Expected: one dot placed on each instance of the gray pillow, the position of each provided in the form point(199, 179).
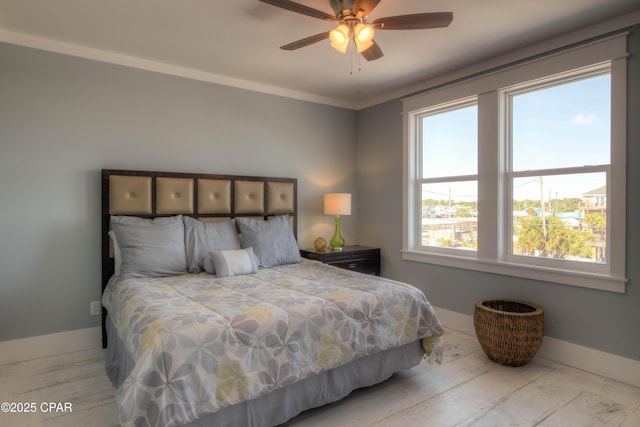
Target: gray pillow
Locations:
point(150, 247)
point(272, 241)
point(234, 262)
point(201, 238)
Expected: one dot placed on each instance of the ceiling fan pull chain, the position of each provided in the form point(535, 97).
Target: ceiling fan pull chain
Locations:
point(351, 60)
point(352, 53)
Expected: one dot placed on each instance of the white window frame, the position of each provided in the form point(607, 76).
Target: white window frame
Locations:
point(452, 106)
point(494, 207)
point(505, 94)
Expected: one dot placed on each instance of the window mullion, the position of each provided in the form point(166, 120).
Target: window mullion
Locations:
point(489, 194)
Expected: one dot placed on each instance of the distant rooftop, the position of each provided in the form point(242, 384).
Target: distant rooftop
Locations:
point(600, 191)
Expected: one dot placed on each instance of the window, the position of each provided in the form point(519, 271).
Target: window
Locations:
point(559, 142)
point(449, 176)
point(514, 172)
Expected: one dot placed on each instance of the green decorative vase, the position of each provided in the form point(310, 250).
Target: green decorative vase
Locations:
point(337, 241)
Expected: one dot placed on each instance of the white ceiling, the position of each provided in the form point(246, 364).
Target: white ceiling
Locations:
point(236, 42)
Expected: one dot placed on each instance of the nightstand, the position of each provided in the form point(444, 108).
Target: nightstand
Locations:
point(355, 258)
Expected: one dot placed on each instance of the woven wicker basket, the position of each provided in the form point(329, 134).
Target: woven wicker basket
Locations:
point(509, 331)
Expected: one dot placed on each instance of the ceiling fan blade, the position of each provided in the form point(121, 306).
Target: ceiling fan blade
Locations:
point(300, 8)
point(418, 21)
point(364, 7)
point(373, 53)
point(306, 41)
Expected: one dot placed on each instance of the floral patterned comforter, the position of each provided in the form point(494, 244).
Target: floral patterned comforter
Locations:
point(203, 343)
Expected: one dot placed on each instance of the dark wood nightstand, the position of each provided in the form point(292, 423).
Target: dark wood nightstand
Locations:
point(356, 258)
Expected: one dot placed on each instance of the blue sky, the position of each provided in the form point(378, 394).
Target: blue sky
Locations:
point(562, 126)
point(566, 125)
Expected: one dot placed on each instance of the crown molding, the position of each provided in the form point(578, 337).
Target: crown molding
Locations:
point(79, 51)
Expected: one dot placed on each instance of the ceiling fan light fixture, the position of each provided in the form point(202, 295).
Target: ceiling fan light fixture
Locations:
point(363, 36)
point(352, 17)
point(339, 38)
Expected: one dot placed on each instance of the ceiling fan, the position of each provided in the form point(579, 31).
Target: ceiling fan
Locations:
point(352, 17)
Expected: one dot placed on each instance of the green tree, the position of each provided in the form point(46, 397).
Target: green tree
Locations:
point(529, 236)
point(520, 205)
point(595, 220)
point(596, 223)
point(446, 242)
point(462, 212)
point(554, 239)
point(567, 205)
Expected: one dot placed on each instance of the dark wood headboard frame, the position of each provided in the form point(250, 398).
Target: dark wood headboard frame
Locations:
point(107, 260)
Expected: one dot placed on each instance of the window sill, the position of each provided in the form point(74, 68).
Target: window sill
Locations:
point(565, 277)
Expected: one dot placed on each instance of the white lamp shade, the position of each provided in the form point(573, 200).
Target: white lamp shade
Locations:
point(337, 204)
point(363, 37)
point(339, 38)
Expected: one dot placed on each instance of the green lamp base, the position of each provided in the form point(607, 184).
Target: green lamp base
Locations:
point(337, 241)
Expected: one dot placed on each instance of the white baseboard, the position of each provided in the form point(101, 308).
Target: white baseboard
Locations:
point(587, 359)
point(49, 345)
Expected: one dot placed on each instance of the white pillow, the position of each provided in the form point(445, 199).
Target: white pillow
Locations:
point(234, 262)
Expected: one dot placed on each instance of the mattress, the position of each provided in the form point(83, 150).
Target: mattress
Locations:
point(191, 348)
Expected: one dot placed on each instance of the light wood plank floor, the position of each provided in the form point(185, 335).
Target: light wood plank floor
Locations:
point(466, 390)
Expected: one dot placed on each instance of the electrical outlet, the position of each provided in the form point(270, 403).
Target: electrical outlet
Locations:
point(94, 308)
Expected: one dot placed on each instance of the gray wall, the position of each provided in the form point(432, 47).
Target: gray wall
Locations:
point(602, 320)
point(63, 119)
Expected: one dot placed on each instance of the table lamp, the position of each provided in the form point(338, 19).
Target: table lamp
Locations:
point(337, 204)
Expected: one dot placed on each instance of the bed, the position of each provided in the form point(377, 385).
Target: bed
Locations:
point(211, 318)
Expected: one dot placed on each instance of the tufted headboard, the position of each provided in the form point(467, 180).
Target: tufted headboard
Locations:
point(207, 197)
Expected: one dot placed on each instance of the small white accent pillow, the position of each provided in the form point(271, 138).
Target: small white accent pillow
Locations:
point(234, 262)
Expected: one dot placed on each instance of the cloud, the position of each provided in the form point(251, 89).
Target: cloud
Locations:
point(584, 119)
